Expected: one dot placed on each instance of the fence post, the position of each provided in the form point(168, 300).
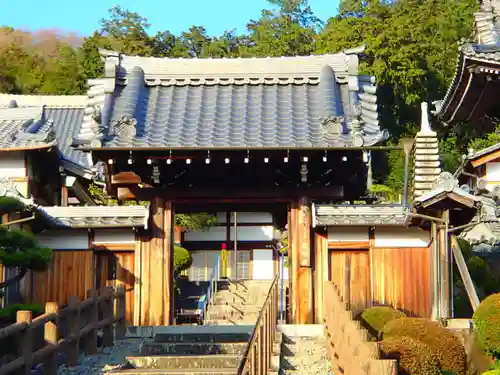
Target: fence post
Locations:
point(92, 312)
point(73, 347)
point(25, 340)
point(107, 313)
point(120, 311)
point(51, 337)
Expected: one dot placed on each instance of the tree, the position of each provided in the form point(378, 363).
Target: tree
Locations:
point(20, 249)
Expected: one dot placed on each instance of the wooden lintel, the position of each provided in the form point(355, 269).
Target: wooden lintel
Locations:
point(114, 247)
point(125, 193)
point(362, 245)
point(281, 193)
point(127, 177)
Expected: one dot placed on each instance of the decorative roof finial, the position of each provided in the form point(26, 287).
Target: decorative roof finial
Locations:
point(425, 126)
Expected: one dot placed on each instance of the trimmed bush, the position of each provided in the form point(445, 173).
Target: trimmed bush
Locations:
point(487, 322)
point(413, 356)
point(182, 259)
point(375, 318)
point(447, 347)
point(491, 372)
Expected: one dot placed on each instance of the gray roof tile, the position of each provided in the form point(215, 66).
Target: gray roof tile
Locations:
point(345, 215)
point(96, 216)
point(61, 117)
point(259, 102)
point(22, 128)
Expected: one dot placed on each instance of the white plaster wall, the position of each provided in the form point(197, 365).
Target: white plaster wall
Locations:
point(401, 237)
point(115, 236)
point(73, 239)
point(492, 176)
point(247, 217)
point(12, 165)
point(251, 233)
point(348, 234)
point(254, 233)
point(263, 265)
point(212, 234)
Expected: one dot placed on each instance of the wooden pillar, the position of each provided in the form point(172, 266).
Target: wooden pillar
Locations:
point(444, 269)
point(155, 264)
point(320, 273)
point(301, 296)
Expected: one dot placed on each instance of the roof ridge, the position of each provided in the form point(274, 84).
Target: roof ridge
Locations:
point(51, 101)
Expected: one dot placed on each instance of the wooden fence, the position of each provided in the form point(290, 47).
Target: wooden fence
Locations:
point(349, 348)
point(81, 320)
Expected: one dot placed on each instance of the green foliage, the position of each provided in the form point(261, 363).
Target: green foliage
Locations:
point(182, 259)
point(442, 341)
point(487, 322)
point(8, 205)
point(491, 372)
point(375, 318)
point(413, 356)
point(490, 139)
point(9, 312)
point(20, 249)
point(194, 222)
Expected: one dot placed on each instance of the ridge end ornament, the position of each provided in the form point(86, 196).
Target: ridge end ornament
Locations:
point(332, 125)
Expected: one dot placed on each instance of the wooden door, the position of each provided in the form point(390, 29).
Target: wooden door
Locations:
point(114, 268)
point(350, 272)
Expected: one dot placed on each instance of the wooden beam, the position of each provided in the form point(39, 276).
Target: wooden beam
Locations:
point(320, 274)
point(444, 269)
point(127, 177)
point(64, 196)
point(348, 245)
point(302, 297)
point(278, 193)
point(485, 158)
point(464, 273)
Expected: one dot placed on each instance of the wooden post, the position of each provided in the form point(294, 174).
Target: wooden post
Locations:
point(25, 340)
point(90, 340)
point(51, 336)
point(107, 312)
point(301, 298)
point(73, 347)
point(444, 268)
point(120, 325)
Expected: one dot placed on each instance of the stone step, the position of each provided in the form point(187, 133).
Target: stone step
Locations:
point(191, 337)
point(199, 371)
point(235, 309)
point(229, 322)
point(185, 361)
point(199, 348)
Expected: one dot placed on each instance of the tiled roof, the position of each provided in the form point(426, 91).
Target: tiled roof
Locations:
point(24, 128)
point(332, 215)
point(63, 116)
point(96, 216)
point(313, 101)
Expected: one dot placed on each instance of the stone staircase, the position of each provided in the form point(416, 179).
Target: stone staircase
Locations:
point(203, 350)
point(238, 303)
point(303, 350)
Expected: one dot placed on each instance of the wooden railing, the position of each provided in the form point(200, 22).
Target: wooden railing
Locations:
point(349, 348)
point(257, 358)
point(81, 319)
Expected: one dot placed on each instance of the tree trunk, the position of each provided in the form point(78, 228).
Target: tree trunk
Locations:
point(15, 279)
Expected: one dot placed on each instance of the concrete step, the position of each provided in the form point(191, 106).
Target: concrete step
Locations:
point(185, 361)
point(229, 322)
point(199, 348)
point(219, 337)
point(199, 371)
point(235, 309)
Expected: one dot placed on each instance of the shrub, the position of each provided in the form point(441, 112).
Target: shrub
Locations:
point(413, 356)
point(491, 372)
point(182, 259)
point(375, 318)
point(442, 342)
point(487, 322)
point(10, 312)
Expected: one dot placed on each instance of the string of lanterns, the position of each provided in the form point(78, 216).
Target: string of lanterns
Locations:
point(246, 160)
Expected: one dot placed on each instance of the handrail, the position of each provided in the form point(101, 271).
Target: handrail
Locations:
point(257, 357)
point(211, 289)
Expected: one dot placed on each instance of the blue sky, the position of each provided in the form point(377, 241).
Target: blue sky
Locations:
point(174, 15)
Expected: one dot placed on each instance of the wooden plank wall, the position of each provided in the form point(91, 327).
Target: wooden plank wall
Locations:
point(350, 272)
point(401, 278)
point(122, 263)
point(71, 273)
